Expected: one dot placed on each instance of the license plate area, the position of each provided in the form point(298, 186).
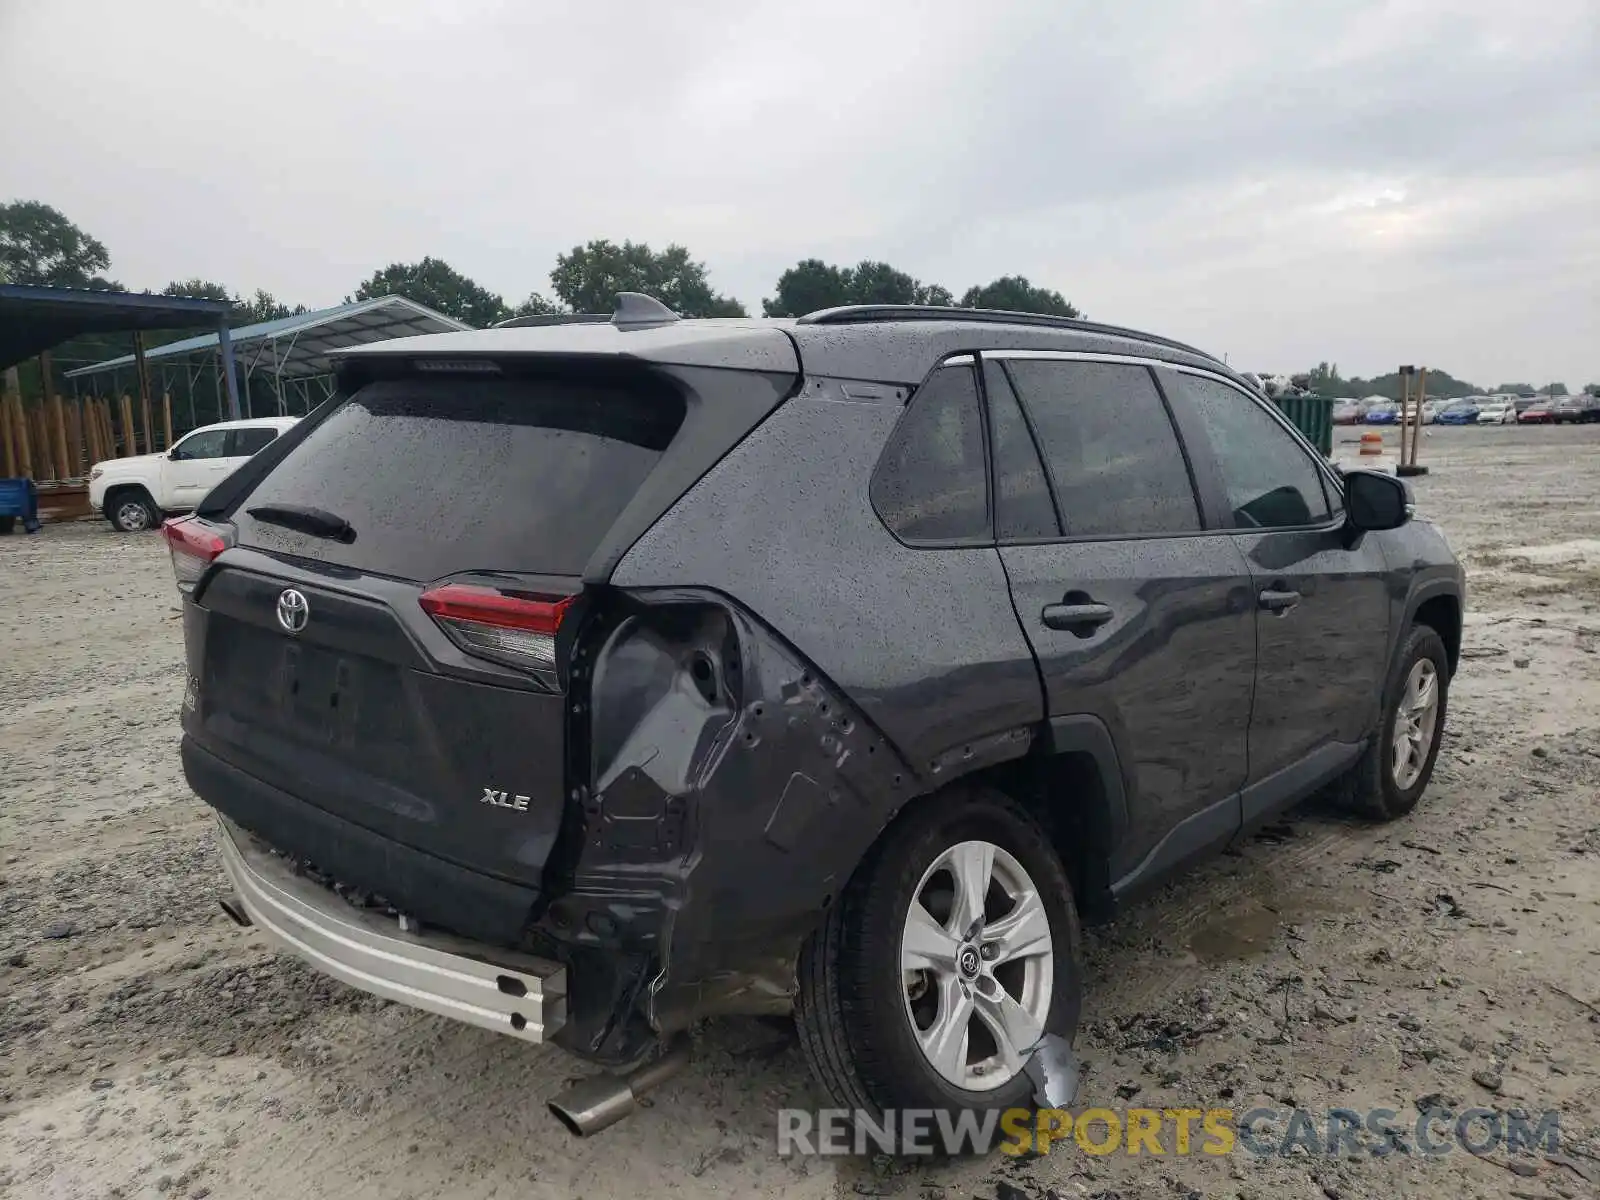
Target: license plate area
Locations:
point(314, 693)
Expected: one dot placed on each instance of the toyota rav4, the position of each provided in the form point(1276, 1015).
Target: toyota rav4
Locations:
point(584, 680)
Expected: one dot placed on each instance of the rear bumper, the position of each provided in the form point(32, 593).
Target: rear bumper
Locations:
point(496, 989)
point(437, 891)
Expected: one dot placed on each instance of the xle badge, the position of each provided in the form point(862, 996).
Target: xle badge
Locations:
point(503, 800)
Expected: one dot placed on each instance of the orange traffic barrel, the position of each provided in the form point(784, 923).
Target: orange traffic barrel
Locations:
point(1372, 442)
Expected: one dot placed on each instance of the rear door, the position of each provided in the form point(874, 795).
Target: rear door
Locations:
point(1323, 631)
point(1138, 614)
point(194, 466)
point(392, 660)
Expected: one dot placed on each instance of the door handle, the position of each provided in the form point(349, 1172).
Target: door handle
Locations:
point(1081, 619)
point(1278, 600)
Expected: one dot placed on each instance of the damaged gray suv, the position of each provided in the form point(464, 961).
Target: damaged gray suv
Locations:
point(583, 680)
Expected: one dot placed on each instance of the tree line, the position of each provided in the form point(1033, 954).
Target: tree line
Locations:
point(1324, 380)
point(39, 244)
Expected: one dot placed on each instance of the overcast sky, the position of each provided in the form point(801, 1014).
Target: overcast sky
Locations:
point(1366, 181)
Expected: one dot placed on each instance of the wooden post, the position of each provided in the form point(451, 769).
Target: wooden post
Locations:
point(75, 443)
point(8, 414)
point(7, 441)
point(140, 369)
point(91, 428)
point(96, 416)
point(108, 432)
point(80, 436)
point(46, 389)
point(166, 419)
point(130, 444)
point(144, 412)
point(1405, 410)
point(66, 465)
point(38, 435)
point(19, 418)
point(1422, 395)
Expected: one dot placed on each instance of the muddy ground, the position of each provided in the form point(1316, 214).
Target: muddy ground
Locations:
point(148, 1047)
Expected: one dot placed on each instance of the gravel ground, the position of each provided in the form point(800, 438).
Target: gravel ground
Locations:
point(150, 1048)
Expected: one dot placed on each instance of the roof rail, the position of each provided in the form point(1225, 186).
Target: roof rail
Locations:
point(860, 314)
point(534, 319)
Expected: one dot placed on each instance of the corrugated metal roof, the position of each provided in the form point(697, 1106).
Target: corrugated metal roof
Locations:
point(34, 318)
point(298, 346)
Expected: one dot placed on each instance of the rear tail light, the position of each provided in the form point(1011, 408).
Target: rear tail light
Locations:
point(194, 544)
point(519, 631)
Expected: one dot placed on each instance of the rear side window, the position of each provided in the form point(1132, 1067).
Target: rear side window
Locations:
point(247, 442)
point(1110, 448)
point(1023, 507)
point(1272, 482)
point(931, 485)
point(444, 475)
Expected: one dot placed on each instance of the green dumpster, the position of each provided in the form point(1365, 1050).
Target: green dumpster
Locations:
point(1312, 416)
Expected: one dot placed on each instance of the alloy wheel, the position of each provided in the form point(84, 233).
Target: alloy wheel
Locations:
point(133, 516)
point(977, 961)
point(1415, 719)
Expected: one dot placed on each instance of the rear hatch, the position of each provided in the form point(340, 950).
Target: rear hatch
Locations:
point(380, 641)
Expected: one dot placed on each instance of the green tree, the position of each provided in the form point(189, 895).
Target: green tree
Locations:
point(588, 278)
point(263, 306)
point(439, 286)
point(1516, 389)
point(39, 245)
point(1554, 389)
point(813, 284)
point(537, 306)
point(202, 289)
point(1015, 294)
point(808, 286)
point(1592, 389)
point(1325, 380)
point(879, 283)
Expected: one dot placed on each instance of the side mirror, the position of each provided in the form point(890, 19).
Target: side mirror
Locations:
point(1375, 501)
point(174, 455)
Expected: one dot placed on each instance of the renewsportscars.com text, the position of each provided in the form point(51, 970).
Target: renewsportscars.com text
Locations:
point(1336, 1132)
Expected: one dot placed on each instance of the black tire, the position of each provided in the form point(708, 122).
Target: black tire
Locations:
point(851, 1010)
point(7, 524)
point(1370, 788)
point(122, 506)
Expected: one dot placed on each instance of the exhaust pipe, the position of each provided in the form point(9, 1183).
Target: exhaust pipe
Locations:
point(601, 1101)
point(235, 911)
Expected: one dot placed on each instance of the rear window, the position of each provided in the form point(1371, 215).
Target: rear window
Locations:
point(439, 476)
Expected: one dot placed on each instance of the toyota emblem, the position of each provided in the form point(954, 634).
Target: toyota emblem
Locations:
point(293, 610)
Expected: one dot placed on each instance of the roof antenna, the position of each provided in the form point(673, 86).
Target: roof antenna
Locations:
point(635, 310)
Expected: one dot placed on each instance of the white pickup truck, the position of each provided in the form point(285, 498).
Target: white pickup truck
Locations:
point(135, 493)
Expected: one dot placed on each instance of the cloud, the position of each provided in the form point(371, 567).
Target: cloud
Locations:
point(1371, 181)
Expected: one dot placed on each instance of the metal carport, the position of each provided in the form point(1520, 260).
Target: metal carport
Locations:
point(289, 353)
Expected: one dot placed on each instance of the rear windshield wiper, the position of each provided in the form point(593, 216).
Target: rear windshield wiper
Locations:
point(303, 519)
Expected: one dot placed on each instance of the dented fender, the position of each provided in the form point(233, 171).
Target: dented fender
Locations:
point(731, 792)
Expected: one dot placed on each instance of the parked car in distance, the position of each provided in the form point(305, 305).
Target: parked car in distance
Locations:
point(1457, 412)
point(135, 493)
point(1498, 412)
point(1385, 413)
point(1577, 410)
point(1347, 412)
point(1430, 410)
point(614, 763)
point(1538, 412)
